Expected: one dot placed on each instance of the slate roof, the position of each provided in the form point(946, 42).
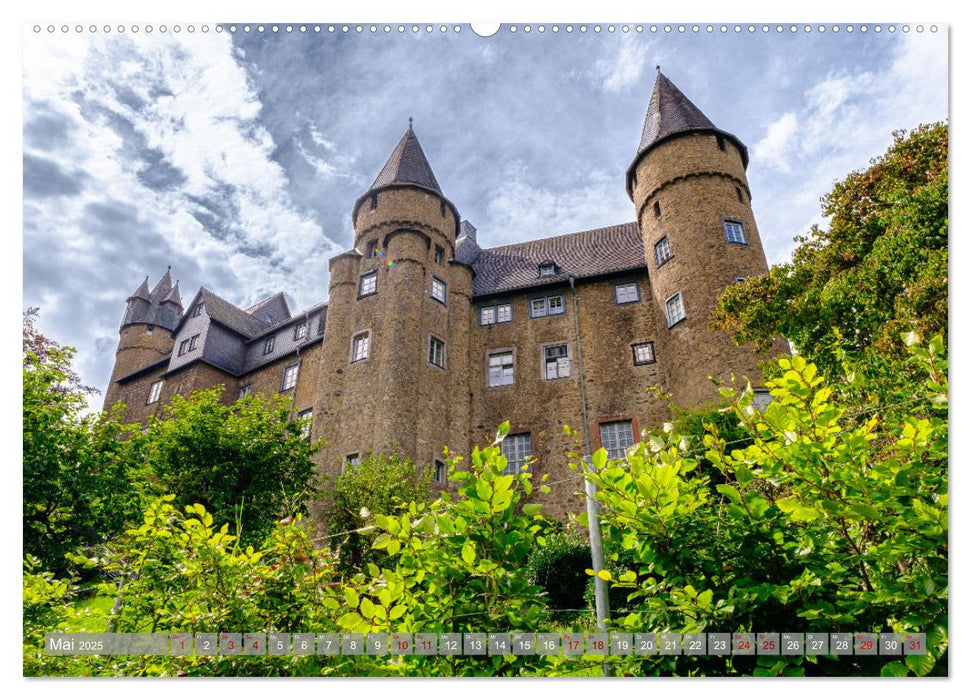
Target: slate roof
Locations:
point(407, 166)
point(273, 309)
point(160, 307)
point(232, 316)
point(668, 112)
point(593, 253)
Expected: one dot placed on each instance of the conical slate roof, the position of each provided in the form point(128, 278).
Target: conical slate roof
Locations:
point(669, 111)
point(163, 286)
point(142, 291)
point(174, 296)
point(407, 166)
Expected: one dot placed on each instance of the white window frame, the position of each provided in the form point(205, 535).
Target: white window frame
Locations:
point(544, 308)
point(368, 284)
point(649, 347)
point(500, 309)
point(290, 378)
point(674, 304)
point(502, 378)
point(442, 288)
point(300, 330)
point(352, 459)
point(517, 448)
point(735, 229)
point(438, 343)
point(662, 251)
point(559, 367)
point(183, 347)
point(155, 391)
point(613, 434)
point(547, 270)
point(622, 293)
point(361, 351)
point(197, 309)
point(307, 413)
point(491, 312)
point(244, 391)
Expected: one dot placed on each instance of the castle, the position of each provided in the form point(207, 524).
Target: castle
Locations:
point(428, 340)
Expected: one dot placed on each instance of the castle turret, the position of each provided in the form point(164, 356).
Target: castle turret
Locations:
point(398, 323)
point(145, 335)
point(693, 207)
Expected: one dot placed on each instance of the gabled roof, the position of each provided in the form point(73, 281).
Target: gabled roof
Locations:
point(590, 253)
point(272, 310)
point(231, 316)
point(407, 166)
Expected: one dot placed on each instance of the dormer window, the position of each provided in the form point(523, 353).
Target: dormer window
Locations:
point(268, 345)
point(547, 269)
point(196, 310)
point(300, 331)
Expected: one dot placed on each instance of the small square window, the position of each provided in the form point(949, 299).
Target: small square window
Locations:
point(504, 313)
point(436, 352)
point(441, 471)
point(517, 449)
point(372, 248)
point(268, 345)
point(300, 331)
point(438, 290)
point(360, 347)
point(352, 460)
point(244, 391)
point(616, 437)
point(369, 284)
point(735, 231)
point(487, 315)
point(547, 270)
point(183, 347)
point(675, 309)
point(290, 377)
point(554, 305)
point(643, 353)
point(556, 361)
point(662, 251)
point(439, 254)
point(739, 280)
point(626, 293)
point(501, 369)
point(307, 417)
point(761, 398)
point(154, 391)
point(196, 310)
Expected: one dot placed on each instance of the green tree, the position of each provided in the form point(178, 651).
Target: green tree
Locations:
point(247, 462)
point(879, 269)
point(379, 484)
point(80, 479)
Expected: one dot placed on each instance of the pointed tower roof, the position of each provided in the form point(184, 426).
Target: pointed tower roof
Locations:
point(163, 286)
point(174, 295)
point(670, 113)
point(407, 166)
point(142, 291)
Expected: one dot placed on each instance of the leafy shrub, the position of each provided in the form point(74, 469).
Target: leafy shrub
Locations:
point(559, 569)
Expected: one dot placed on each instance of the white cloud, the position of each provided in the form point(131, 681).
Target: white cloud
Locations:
point(774, 148)
point(623, 70)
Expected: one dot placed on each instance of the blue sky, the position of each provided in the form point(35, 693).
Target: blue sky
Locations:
point(236, 159)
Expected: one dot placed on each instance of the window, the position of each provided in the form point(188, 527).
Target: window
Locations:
point(556, 361)
point(436, 352)
point(352, 460)
point(360, 346)
point(196, 310)
point(290, 377)
point(374, 200)
point(441, 472)
point(739, 280)
point(761, 399)
point(244, 391)
point(516, 449)
point(369, 284)
point(547, 270)
point(501, 368)
point(300, 331)
point(626, 293)
point(738, 191)
point(439, 254)
point(154, 392)
point(268, 345)
point(616, 437)
point(662, 251)
point(643, 353)
point(307, 417)
point(546, 306)
point(438, 289)
point(189, 344)
point(372, 248)
point(735, 231)
point(721, 142)
point(675, 309)
point(500, 313)
point(442, 208)
point(657, 209)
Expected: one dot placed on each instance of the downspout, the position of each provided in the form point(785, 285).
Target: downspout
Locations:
point(583, 388)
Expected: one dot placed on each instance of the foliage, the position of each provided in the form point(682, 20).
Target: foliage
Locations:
point(246, 462)
point(383, 484)
point(80, 479)
point(559, 569)
point(878, 270)
point(853, 537)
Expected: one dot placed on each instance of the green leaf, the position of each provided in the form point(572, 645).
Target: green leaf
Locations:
point(532, 508)
point(600, 459)
point(920, 665)
point(350, 620)
point(367, 608)
point(352, 598)
point(730, 492)
point(468, 553)
point(894, 669)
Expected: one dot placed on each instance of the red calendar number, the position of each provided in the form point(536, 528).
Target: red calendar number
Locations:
point(866, 645)
point(574, 644)
point(914, 644)
point(598, 645)
point(768, 645)
point(744, 644)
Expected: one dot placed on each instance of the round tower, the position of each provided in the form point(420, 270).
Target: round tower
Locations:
point(145, 335)
point(693, 206)
point(402, 300)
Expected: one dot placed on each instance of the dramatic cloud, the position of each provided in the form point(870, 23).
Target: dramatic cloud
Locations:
point(623, 70)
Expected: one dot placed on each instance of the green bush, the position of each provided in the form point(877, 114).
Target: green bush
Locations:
point(559, 569)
